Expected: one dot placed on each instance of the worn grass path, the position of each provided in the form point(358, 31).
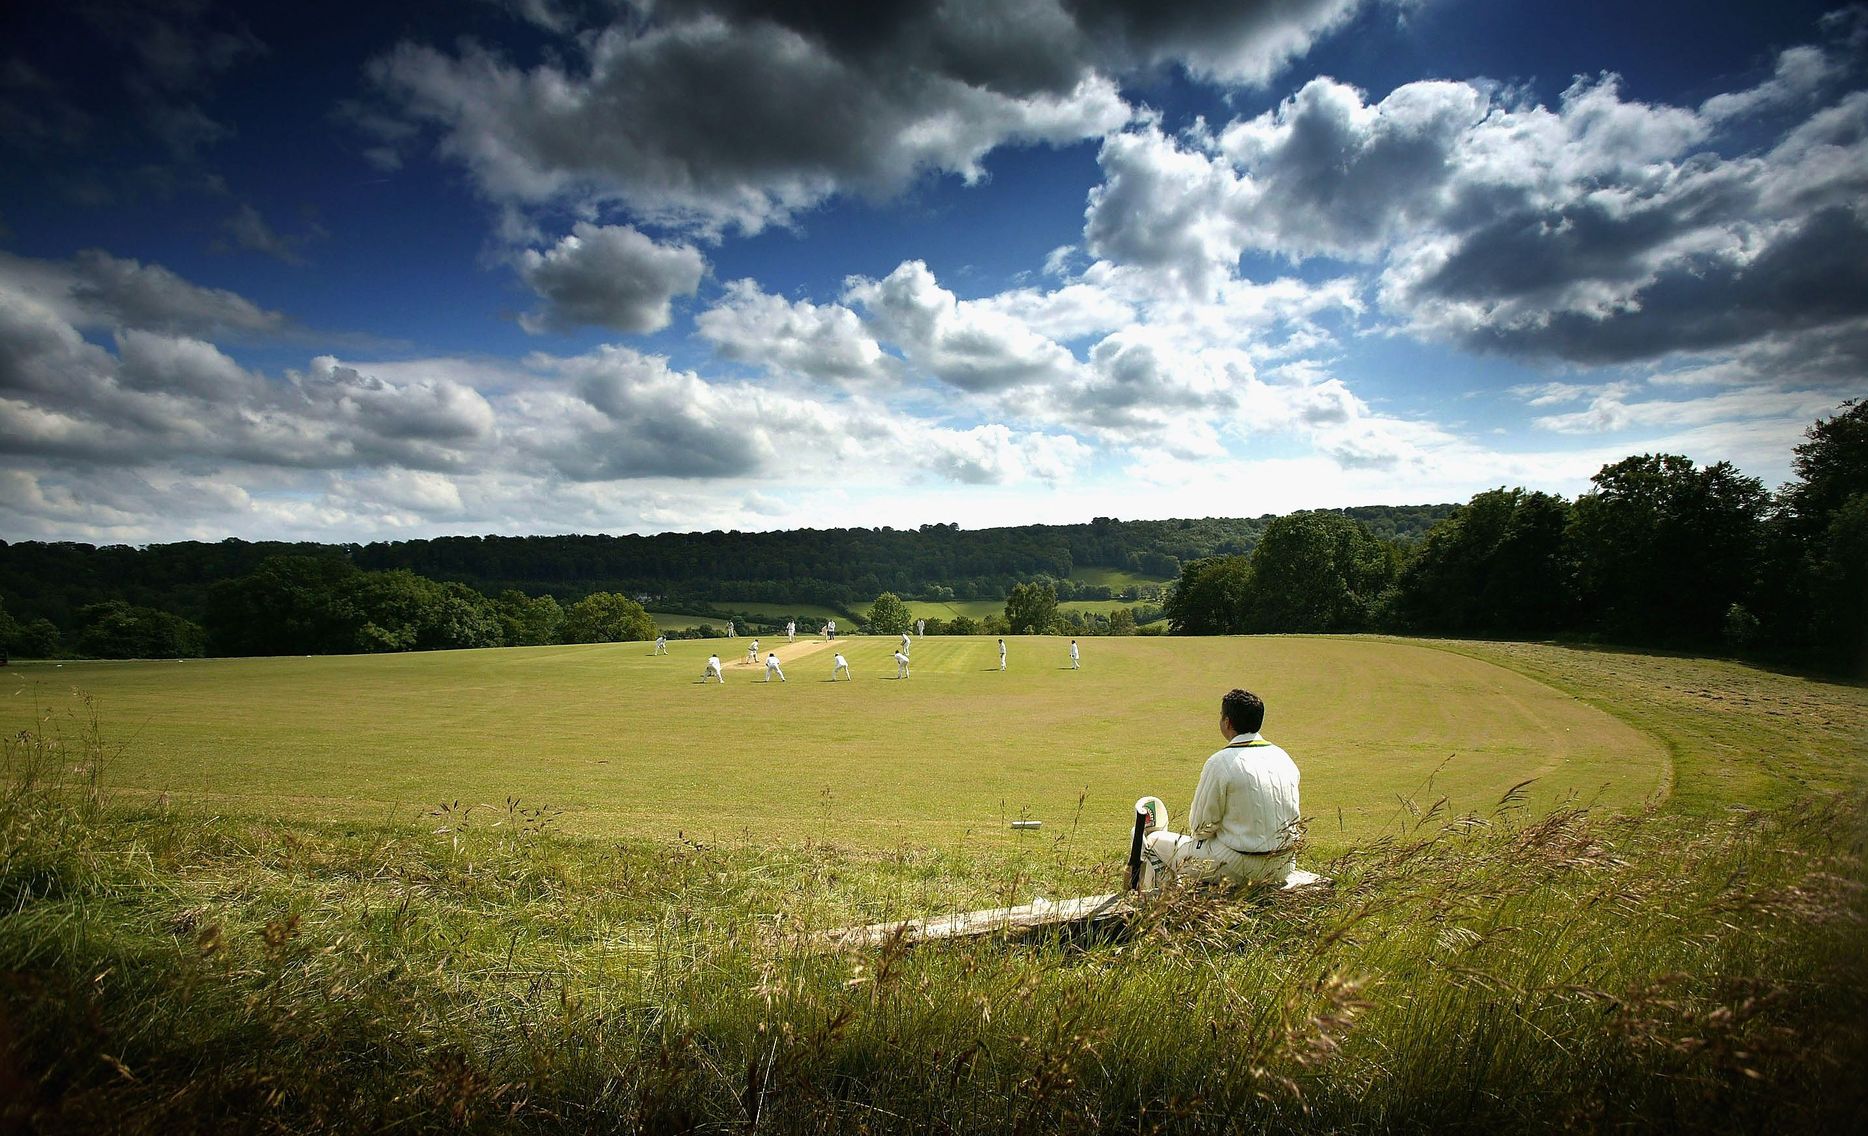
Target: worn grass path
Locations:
point(628, 743)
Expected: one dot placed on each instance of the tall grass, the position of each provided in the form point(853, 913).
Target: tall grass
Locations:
point(179, 973)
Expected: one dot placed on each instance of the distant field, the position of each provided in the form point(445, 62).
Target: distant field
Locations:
point(1113, 577)
point(628, 743)
point(811, 612)
point(931, 609)
point(980, 609)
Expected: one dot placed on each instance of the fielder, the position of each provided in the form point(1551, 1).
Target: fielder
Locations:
point(713, 670)
point(921, 628)
point(771, 667)
point(901, 665)
point(1074, 664)
point(1244, 825)
point(841, 664)
point(1001, 654)
point(729, 630)
point(661, 644)
point(906, 643)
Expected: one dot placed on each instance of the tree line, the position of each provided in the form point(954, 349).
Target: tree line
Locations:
point(161, 600)
point(1659, 552)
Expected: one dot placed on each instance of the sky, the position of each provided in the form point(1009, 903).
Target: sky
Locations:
point(352, 272)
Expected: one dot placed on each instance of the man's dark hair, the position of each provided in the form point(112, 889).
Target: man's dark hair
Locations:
point(1245, 710)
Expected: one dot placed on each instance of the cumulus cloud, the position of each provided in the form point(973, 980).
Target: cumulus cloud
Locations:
point(608, 276)
point(821, 341)
point(964, 343)
point(1602, 230)
point(97, 290)
point(739, 113)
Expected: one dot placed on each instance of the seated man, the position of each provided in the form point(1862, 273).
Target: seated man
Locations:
point(1244, 824)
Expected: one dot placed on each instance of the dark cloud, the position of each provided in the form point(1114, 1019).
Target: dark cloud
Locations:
point(719, 112)
point(247, 229)
point(1812, 276)
point(609, 276)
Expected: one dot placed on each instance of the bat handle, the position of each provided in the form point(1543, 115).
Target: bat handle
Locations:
point(1135, 850)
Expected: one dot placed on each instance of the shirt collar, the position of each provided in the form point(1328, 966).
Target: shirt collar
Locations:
point(1243, 739)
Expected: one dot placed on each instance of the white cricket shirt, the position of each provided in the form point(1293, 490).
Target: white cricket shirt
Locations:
point(1247, 797)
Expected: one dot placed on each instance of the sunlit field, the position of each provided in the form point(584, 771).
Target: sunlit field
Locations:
point(228, 899)
point(628, 743)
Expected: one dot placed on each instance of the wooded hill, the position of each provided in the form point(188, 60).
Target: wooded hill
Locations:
point(841, 568)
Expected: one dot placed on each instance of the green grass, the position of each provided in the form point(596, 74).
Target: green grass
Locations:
point(814, 613)
point(1116, 578)
point(951, 609)
point(189, 965)
point(622, 740)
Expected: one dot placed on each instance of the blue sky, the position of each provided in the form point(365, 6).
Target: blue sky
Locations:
point(357, 272)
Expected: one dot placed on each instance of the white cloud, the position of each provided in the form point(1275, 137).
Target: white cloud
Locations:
point(966, 344)
point(825, 341)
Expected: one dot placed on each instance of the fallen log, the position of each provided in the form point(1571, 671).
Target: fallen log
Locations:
point(1040, 912)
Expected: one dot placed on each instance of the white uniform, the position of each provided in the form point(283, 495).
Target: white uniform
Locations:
point(841, 664)
point(1001, 654)
point(906, 642)
point(752, 652)
point(713, 670)
point(729, 630)
point(661, 644)
point(1244, 824)
point(791, 632)
point(1074, 665)
point(771, 668)
point(921, 627)
point(901, 665)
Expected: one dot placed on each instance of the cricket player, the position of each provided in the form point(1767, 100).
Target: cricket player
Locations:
point(661, 644)
point(729, 630)
point(921, 628)
point(771, 667)
point(1244, 825)
point(901, 665)
point(791, 631)
point(1001, 654)
point(1074, 664)
point(713, 670)
point(907, 643)
point(826, 630)
point(841, 664)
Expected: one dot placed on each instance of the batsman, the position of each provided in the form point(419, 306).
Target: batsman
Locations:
point(1244, 825)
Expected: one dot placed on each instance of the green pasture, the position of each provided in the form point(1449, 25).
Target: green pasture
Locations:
point(629, 744)
point(1113, 577)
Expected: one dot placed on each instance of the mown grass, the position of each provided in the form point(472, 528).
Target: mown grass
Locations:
point(1508, 967)
point(626, 742)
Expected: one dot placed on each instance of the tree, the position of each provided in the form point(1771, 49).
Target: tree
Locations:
point(1122, 621)
point(527, 621)
point(887, 616)
point(1817, 605)
point(606, 617)
point(296, 605)
point(963, 625)
point(1664, 549)
point(117, 630)
point(1318, 571)
point(1031, 609)
point(1212, 597)
point(35, 640)
point(1498, 566)
point(400, 611)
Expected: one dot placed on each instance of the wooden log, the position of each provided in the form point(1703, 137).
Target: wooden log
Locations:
point(966, 924)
